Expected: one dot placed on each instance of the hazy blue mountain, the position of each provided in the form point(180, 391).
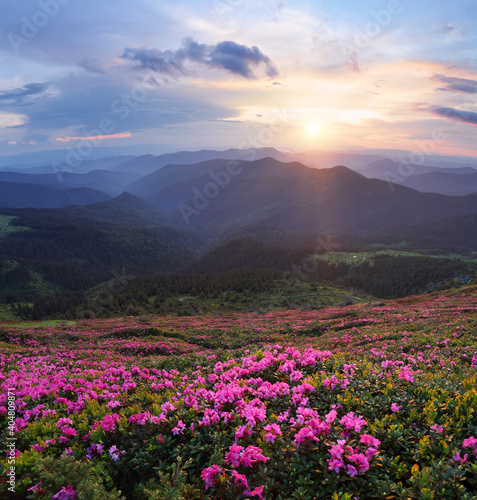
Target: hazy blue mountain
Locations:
point(298, 198)
point(402, 173)
point(75, 167)
point(111, 183)
point(148, 163)
point(329, 159)
point(123, 209)
point(16, 195)
point(149, 185)
point(41, 158)
point(459, 184)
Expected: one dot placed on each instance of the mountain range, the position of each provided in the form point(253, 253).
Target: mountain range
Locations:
point(149, 175)
point(145, 215)
point(217, 196)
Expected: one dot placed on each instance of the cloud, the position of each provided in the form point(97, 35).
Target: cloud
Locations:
point(455, 115)
point(91, 65)
point(155, 60)
point(10, 120)
point(455, 30)
point(227, 55)
point(19, 95)
point(121, 135)
point(457, 84)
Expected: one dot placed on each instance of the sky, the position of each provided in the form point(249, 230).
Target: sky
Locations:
point(193, 74)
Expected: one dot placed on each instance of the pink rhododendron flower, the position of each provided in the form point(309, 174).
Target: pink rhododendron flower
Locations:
point(179, 428)
point(109, 422)
point(273, 430)
point(242, 432)
point(35, 487)
point(209, 474)
point(240, 479)
point(94, 449)
point(368, 440)
point(458, 458)
point(395, 408)
point(256, 492)
point(64, 422)
point(351, 470)
point(238, 455)
point(233, 456)
point(253, 411)
point(362, 464)
point(140, 418)
point(406, 374)
point(114, 452)
point(252, 455)
point(113, 404)
point(167, 407)
point(305, 434)
point(66, 493)
point(470, 443)
point(331, 416)
point(335, 464)
point(350, 421)
point(283, 416)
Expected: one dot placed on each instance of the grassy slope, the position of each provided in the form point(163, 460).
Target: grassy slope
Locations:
point(5, 229)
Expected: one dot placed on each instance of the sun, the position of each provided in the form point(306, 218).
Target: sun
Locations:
point(313, 130)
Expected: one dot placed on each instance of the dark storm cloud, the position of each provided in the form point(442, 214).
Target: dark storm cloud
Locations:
point(455, 115)
point(457, 84)
point(155, 60)
point(228, 55)
point(238, 59)
point(19, 95)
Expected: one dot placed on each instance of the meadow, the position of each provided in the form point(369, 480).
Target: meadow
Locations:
point(7, 228)
point(376, 400)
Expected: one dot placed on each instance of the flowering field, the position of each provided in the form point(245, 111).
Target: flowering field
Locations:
point(372, 401)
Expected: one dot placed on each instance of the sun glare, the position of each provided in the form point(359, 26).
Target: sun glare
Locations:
point(313, 130)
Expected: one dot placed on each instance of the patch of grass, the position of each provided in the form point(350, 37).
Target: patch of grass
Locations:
point(284, 296)
point(47, 323)
point(396, 251)
point(6, 347)
point(7, 228)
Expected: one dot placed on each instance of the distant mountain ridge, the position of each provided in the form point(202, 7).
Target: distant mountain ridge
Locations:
point(292, 196)
point(111, 183)
point(148, 164)
point(460, 184)
point(18, 195)
point(387, 169)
